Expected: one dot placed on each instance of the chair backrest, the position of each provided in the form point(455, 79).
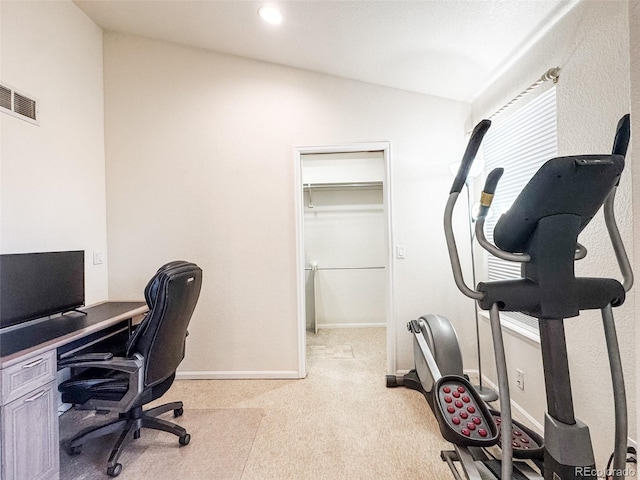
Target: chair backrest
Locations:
point(172, 295)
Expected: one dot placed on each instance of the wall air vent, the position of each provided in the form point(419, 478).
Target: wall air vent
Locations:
point(5, 97)
point(24, 106)
point(18, 104)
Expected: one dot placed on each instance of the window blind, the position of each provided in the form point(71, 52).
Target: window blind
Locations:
point(520, 143)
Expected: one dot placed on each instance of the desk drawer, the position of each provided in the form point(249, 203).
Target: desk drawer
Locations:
point(26, 376)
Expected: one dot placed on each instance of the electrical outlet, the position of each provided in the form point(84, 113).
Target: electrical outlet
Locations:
point(520, 379)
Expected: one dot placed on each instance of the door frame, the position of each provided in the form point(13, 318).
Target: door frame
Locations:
point(299, 152)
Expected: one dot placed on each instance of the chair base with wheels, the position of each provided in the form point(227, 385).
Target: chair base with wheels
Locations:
point(130, 424)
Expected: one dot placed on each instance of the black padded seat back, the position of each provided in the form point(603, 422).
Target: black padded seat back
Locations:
point(172, 296)
point(150, 294)
point(574, 185)
point(151, 290)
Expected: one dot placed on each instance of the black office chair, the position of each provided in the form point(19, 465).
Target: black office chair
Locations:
point(146, 371)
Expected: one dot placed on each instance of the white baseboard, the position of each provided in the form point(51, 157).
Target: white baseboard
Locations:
point(239, 375)
point(351, 325)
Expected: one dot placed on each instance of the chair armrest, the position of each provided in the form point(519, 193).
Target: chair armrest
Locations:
point(133, 367)
point(86, 357)
point(103, 360)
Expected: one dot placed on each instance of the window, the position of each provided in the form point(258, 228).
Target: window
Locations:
point(520, 143)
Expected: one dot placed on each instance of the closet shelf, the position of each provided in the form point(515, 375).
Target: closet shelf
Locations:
point(377, 185)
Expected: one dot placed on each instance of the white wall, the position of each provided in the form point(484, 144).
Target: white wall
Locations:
point(200, 165)
point(52, 187)
point(591, 45)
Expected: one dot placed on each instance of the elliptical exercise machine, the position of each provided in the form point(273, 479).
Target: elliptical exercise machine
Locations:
point(540, 231)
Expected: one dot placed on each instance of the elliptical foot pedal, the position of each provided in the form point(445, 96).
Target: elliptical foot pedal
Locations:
point(463, 417)
point(526, 443)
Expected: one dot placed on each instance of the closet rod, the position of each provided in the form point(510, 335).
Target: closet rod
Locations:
point(343, 185)
point(345, 268)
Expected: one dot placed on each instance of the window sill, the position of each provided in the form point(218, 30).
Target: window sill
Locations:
point(514, 327)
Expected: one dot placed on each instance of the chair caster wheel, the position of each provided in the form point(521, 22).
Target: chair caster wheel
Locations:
point(115, 470)
point(178, 412)
point(185, 439)
point(75, 450)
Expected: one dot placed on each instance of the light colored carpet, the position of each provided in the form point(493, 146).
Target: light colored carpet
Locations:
point(323, 351)
point(341, 422)
point(221, 440)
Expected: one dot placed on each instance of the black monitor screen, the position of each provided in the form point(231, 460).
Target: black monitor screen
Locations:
point(34, 285)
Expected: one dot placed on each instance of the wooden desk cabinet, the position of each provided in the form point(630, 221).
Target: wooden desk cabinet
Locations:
point(29, 448)
point(29, 419)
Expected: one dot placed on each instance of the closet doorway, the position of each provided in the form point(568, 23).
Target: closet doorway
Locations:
point(344, 241)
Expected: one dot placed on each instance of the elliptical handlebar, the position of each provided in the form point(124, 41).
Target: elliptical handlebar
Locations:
point(485, 203)
point(461, 178)
point(489, 189)
point(620, 145)
point(469, 155)
point(487, 196)
point(623, 134)
point(616, 241)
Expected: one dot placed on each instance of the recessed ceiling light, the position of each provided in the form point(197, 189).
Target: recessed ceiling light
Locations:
point(270, 15)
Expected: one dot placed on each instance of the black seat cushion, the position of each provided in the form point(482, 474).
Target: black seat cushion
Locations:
point(95, 383)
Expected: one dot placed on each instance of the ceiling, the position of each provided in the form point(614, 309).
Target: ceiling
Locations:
point(448, 48)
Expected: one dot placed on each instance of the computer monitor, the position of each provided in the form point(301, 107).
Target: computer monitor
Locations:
point(36, 285)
